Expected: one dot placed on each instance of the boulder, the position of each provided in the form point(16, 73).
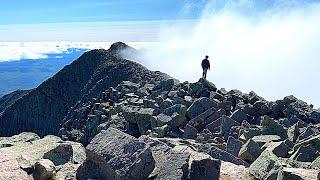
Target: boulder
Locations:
point(65, 153)
point(293, 132)
point(44, 169)
point(263, 139)
point(20, 138)
point(313, 141)
point(202, 166)
point(217, 153)
point(166, 104)
point(226, 124)
point(315, 116)
point(140, 116)
point(166, 85)
point(203, 119)
point(10, 168)
point(271, 127)
point(266, 162)
point(298, 173)
point(234, 146)
point(207, 84)
point(250, 151)
point(199, 106)
point(95, 167)
point(297, 108)
point(214, 127)
point(177, 113)
point(316, 163)
point(239, 116)
point(261, 108)
point(162, 153)
point(308, 132)
point(161, 132)
point(190, 132)
point(161, 120)
point(181, 162)
point(251, 132)
point(305, 153)
point(129, 157)
point(280, 149)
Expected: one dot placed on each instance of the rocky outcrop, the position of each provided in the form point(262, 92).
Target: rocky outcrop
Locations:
point(9, 99)
point(29, 157)
point(42, 110)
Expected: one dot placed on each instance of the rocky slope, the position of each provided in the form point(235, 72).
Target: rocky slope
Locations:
point(42, 109)
point(150, 126)
point(9, 99)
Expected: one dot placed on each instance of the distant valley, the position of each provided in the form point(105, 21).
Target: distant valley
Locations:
point(29, 73)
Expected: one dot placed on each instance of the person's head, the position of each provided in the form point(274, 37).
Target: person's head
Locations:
point(207, 57)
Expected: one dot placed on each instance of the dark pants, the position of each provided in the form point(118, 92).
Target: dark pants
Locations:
point(204, 74)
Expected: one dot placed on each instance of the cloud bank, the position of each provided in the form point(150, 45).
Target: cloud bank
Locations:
point(272, 48)
point(13, 51)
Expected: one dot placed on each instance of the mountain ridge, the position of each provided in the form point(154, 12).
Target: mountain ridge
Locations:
point(42, 109)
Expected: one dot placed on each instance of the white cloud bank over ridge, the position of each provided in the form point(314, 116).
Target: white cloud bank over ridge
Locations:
point(13, 51)
point(275, 53)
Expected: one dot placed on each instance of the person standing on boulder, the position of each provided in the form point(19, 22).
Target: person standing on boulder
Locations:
point(205, 66)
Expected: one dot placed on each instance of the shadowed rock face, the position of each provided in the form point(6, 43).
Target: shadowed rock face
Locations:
point(9, 99)
point(43, 109)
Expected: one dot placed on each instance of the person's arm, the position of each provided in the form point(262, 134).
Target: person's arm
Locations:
point(209, 65)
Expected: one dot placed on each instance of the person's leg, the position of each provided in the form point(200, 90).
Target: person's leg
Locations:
point(205, 73)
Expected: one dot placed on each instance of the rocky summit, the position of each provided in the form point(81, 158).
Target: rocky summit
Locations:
point(106, 117)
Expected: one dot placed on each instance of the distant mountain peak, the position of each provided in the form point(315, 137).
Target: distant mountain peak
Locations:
point(118, 46)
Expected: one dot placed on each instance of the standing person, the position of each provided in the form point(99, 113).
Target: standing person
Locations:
point(205, 66)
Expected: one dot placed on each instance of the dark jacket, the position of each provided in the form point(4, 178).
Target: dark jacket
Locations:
point(205, 64)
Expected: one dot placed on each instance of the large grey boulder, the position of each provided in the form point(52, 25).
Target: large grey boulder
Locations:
point(177, 113)
point(271, 127)
point(263, 139)
point(313, 141)
point(306, 133)
point(163, 154)
point(95, 167)
point(239, 116)
point(234, 145)
point(250, 151)
point(280, 149)
point(202, 166)
point(265, 163)
point(300, 174)
point(166, 85)
point(305, 153)
point(129, 157)
point(226, 124)
point(140, 116)
point(16, 139)
point(203, 119)
point(180, 162)
point(199, 106)
point(190, 132)
point(316, 163)
point(217, 153)
point(68, 152)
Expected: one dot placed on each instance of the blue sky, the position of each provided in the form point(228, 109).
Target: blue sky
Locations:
point(61, 11)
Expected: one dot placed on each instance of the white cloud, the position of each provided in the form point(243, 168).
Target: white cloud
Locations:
point(13, 51)
point(275, 53)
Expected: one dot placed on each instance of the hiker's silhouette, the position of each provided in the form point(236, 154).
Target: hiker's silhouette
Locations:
point(205, 66)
